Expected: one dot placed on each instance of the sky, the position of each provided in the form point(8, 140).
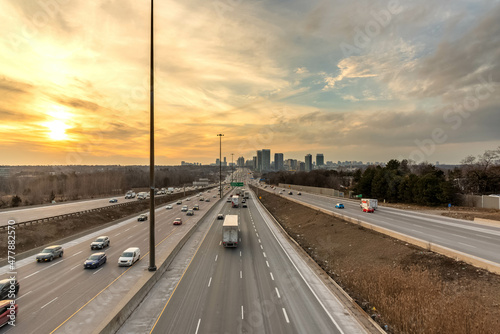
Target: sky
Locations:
point(354, 80)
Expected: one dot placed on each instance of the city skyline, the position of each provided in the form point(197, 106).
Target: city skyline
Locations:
point(377, 84)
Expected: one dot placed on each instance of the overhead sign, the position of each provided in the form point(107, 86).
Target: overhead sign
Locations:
point(236, 184)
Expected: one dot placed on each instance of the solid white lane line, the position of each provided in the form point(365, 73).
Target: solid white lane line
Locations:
point(272, 276)
point(36, 272)
point(467, 245)
point(24, 294)
point(76, 253)
point(267, 264)
point(198, 327)
point(242, 317)
point(241, 274)
point(286, 316)
point(49, 302)
point(97, 271)
point(277, 292)
point(216, 256)
point(209, 281)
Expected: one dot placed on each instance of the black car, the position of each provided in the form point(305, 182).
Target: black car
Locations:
point(142, 218)
point(220, 216)
point(95, 260)
point(7, 287)
point(49, 253)
point(100, 242)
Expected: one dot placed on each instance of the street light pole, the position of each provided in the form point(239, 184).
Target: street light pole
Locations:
point(220, 135)
point(232, 167)
point(152, 266)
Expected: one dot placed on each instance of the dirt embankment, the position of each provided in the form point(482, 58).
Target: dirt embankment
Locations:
point(399, 285)
point(33, 236)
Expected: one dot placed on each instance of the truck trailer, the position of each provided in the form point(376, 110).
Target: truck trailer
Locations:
point(235, 201)
point(247, 194)
point(369, 202)
point(230, 231)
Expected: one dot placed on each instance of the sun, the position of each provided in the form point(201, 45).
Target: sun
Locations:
point(57, 130)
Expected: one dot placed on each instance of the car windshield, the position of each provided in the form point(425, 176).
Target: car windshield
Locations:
point(100, 240)
point(127, 254)
point(94, 257)
point(47, 251)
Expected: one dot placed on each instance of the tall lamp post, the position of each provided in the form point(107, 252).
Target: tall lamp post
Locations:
point(232, 167)
point(220, 135)
point(152, 266)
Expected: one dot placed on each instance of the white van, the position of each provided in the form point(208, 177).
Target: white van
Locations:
point(129, 257)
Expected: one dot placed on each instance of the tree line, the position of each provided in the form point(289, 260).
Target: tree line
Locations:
point(72, 185)
point(406, 182)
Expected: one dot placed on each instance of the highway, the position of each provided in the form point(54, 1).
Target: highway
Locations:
point(50, 210)
point(51, 294)
point(462, 235)
point(259, 287)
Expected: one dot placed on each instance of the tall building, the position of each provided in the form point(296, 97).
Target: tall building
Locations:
point(254, 163)
point(278, 161)
point(240, 162)
point(301, 166)
point(225, 162)
point(320, 160)
point(259, 160)
point(217, 162)
point(309, 163)
point(266, 159)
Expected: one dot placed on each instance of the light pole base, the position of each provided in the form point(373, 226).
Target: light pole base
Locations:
point(152, 268)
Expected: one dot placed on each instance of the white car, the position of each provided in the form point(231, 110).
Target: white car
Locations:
point(168, 207)
point(129, 257)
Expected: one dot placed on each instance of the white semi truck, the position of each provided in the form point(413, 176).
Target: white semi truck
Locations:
point(230, 231)
point(235, 201)
point(247, 195)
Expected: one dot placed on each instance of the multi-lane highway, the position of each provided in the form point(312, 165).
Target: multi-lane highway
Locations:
point(55, 293)
point(51, 210)
point(261, 286)
point(461, 235)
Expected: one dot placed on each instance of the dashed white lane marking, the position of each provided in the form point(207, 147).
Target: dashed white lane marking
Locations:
point(97, 271)
point(267, 264)
point(242, 317)
point(467, 245)
point(118, 234)
point(49, 302)
point(240, 253)
point(209, 281)
point(241, 274)
point(277, 292)
point(286, 316)
point(272, 277)
point(264, 254)
point(220, 243)
point(127, 229)
point(257, 235)
point(36, 272)
point(76, 253)
point(260, 241)
point(24, 294)
point(198, 326)
point(261, 247)
point(216, 256)
point(75, 267)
